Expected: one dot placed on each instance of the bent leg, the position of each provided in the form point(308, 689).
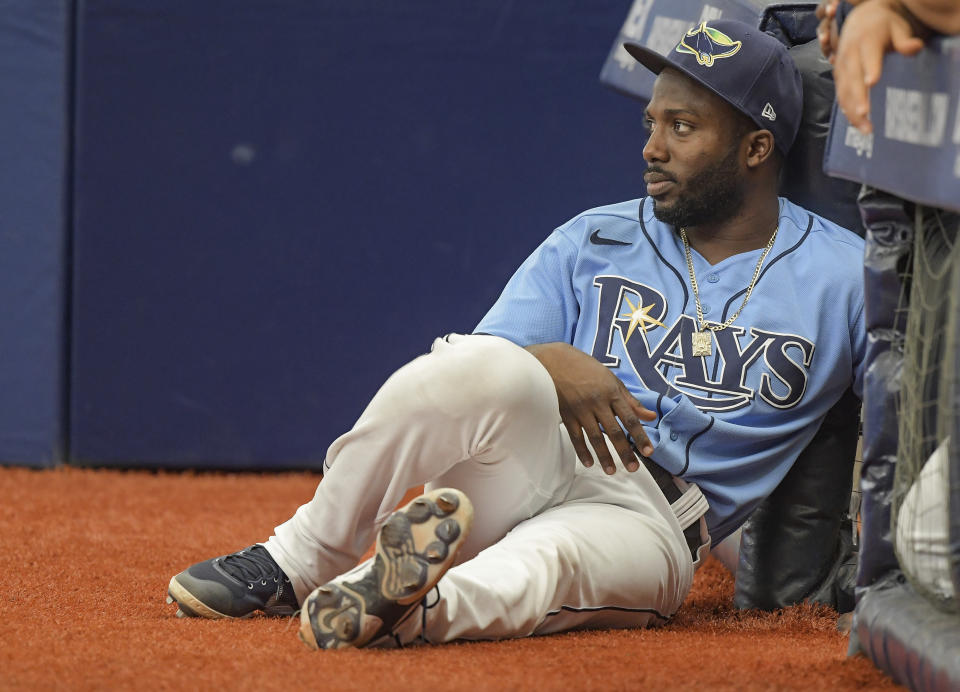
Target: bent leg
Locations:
point(478, 413)
point(577, 565)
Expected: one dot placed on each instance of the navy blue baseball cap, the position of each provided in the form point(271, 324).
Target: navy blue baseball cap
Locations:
point(746, 67)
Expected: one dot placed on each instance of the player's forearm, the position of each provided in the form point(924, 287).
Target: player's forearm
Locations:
point(558, 358)
point(542, 351)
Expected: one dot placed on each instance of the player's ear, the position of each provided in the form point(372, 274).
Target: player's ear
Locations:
point(760, 147)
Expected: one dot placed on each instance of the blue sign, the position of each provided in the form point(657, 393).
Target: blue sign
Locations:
point(658, 24)
point(914, 149)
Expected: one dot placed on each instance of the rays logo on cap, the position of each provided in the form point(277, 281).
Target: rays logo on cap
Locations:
point(707, 44)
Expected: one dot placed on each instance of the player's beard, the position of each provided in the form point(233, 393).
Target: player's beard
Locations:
point(714, 194)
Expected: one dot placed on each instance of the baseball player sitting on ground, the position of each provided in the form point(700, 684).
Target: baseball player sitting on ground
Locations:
point(648, 375)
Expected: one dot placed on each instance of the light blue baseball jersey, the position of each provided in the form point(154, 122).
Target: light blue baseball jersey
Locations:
point(614, 282)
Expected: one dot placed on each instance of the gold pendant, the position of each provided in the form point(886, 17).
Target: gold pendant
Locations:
point(702, 343)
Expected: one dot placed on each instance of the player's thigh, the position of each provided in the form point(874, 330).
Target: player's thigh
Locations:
point(624, 568)
point(576, 565)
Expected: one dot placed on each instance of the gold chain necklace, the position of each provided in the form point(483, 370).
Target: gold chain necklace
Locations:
point(702, 341)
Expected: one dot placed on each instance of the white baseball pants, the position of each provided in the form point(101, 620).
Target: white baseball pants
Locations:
point(554, 545)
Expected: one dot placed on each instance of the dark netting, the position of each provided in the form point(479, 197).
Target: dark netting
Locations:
point(928, 417)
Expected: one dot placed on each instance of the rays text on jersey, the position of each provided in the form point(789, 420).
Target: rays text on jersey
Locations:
point(663, 359)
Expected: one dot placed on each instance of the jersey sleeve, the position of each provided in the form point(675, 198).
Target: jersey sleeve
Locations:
point(538, 305)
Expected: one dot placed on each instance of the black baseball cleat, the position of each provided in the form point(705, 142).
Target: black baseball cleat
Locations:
point(415, 547)
point(233, 586)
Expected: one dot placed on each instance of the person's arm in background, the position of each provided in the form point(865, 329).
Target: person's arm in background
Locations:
point(940, 15)
point(871, 29)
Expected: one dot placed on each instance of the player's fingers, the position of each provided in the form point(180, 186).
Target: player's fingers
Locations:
point(620, 442)
point(596, 439)
point(579, 446)
point(641, 410)
point(626, 404)
point(628, 411)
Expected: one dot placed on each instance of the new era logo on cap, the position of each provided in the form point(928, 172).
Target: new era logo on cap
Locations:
point(768, 112)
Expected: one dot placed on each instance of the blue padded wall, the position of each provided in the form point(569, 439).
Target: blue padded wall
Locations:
point(34, 97)
point(279, 203)
point(916, 119)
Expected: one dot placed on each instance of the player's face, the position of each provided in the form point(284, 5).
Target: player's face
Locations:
point(694, 170)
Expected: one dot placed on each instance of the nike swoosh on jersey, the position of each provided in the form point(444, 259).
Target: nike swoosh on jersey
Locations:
point(597, 240)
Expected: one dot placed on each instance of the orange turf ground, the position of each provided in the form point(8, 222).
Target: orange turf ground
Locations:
point(87, 556)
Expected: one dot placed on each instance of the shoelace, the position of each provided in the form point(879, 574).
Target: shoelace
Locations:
point(424, 607)
point(252, 565)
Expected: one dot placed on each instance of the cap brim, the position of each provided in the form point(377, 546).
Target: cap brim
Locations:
point(650, 59)
point(656, 63)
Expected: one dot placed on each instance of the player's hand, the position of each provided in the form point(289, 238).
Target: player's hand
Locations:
point(591, 400)
point(873, 28)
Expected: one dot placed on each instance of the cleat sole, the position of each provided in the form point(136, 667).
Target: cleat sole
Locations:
point(448, 502)
point(415, 547)
point(190, 606)
point(412, 540)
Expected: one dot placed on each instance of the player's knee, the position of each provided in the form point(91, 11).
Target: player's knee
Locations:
point(475, 374)
point(493, 373)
